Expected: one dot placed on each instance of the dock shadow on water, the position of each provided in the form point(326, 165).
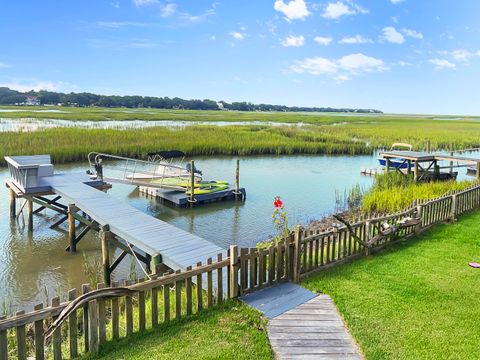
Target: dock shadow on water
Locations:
point(36, 268)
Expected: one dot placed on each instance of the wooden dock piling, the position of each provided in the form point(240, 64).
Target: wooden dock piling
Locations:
point(105, 235)
point(13, 204)
point(72, 209)
point(192, 183)
point(237, 181)
point(30, 214)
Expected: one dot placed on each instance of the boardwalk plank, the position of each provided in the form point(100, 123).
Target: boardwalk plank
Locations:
point(310, 329)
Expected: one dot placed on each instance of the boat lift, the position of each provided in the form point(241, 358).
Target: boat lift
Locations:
point(151, 172)
point(162, 178)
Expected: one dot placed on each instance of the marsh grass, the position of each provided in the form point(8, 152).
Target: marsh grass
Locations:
point(394, 192)
point(70, 144)
point(319, 134)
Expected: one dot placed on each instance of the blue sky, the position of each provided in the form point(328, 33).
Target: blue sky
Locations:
point(407, 56)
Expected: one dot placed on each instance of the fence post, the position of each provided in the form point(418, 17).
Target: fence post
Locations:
point(296, 254)
point(233, 271)
point(453, 209)
point(418, 227)
point(93, 326)
point(368, 236)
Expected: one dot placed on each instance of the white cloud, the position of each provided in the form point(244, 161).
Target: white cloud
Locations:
point(403, 63)
point(4, 65)
point(197, 18)
point(478, 53)
point(395, 2)
point(442, 64)
point(315, 66)
point(144, 2)
point(462, 55)
point(412, 33)
point(35, 85)
point(168, 10)
point(213, 38)
point(357, 39)
point(356, 63)
point(322, 40)
point(342, 78)
point(391, 35)
point(293, 10)
point(120, 24)
point(237, 35)
point(335, 10)
point(341, 69)
point(293, 41)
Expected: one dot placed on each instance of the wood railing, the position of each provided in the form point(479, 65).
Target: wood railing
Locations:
point(174, 295)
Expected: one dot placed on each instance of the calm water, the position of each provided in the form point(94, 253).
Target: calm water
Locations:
point(33, 268)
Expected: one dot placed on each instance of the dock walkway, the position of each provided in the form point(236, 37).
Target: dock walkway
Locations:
point(177, 248)
point(302, 324)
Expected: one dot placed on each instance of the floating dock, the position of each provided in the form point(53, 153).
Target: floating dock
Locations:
point(181, 199)
point(150, 240)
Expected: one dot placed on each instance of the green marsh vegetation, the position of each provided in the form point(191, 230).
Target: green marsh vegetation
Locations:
point(394, 192)
point(70, 144)
point(319, 133)
point(419, 301)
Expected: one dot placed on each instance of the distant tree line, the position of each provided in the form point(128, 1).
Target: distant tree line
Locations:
point(12, 97)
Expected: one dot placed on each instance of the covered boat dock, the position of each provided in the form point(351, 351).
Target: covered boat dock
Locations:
point(426, 165)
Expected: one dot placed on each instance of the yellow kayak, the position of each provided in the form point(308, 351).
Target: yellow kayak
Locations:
point(208, 189)
point(185, 183)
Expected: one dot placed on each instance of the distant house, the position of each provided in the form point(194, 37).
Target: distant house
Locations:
point(31, 101)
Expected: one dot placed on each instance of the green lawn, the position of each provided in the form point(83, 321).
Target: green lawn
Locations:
point(228, 331)
point(419, 300)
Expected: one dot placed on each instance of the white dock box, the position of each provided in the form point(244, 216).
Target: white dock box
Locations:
point(27, 171)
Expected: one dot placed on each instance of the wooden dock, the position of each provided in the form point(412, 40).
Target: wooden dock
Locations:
point(302, 324)
point(177, 248)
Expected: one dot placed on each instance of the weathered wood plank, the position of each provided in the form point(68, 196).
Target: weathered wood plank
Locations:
point(57, 335)
point(20, 334)
point(115, 315)
point(314, 330)
point(199, 290)
point(188, 292)
point(72, 327)
point(39, 336)
point(166, 302)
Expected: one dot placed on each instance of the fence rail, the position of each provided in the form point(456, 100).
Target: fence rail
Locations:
point(174, 295)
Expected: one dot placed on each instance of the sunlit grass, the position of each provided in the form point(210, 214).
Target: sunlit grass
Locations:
point(418, 300)
point(394, 192)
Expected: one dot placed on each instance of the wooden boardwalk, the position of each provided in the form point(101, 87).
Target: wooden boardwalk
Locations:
point(303, 325)
point(178, 248)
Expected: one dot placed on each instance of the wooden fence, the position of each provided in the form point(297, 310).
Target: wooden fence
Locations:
point(174, 295)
